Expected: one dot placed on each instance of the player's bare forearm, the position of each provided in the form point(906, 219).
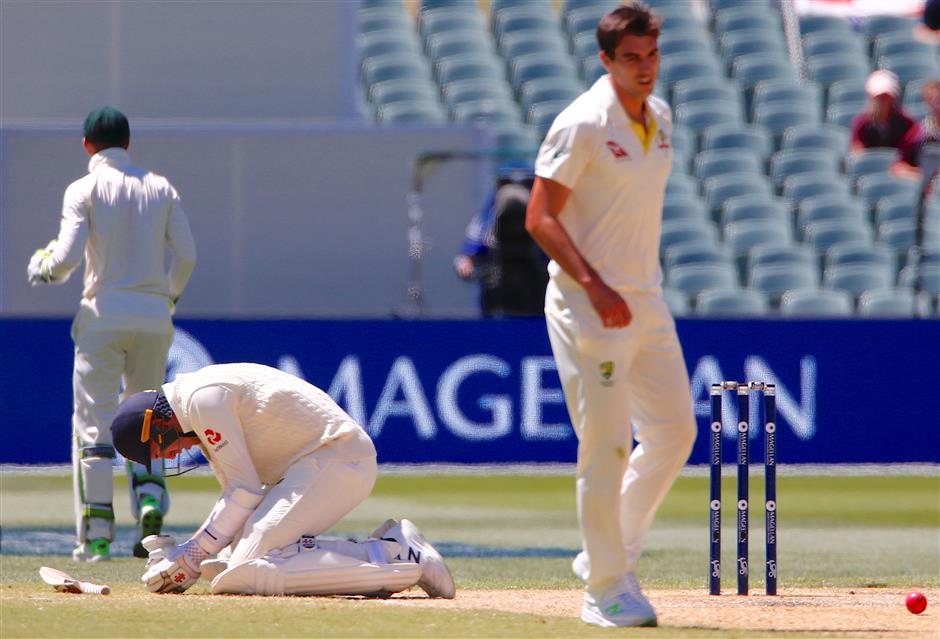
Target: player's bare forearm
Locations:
point(545, 204)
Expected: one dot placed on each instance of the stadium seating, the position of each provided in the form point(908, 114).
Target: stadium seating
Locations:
point(817, 136)
point(682, 206)
point(731, 302)
point(823, 234)
point(780, 253)
point(861, 252)
point(816, 302)
point(894, 302)
point(677, 301)
point(776, 279)
point(718, 162)
point(785, 163)
point(695, 252)
point(829, 207)
point(858, 277)
point(754, 207)
point(686, 230)
point(732, 135)
point(692, 279)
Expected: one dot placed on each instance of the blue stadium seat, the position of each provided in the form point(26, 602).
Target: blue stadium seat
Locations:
point(731, 302)
point(450, 18)
point(705, 90)
point(721, 187)
point(692, 279)
point(785, 163)
point(695, 252)
point(861, 252)
point(515, 19)
point(816, 302)
point(683, 206)
point(885, 303)
point(384, 20)
point(925, 278)
point(394, 67)
point(893, 43)
point(850, 91)
point(869, 161)
point(698, 116)
point(733, 135)
point(817, 136)
point(785, 90)
point(746, 16)
point(777, 117)
point(387, 42)
point(537, 91)
point(475, 89)
point(815, 23)
point(877, 25)
point(514, 45)
point(402, 90)
point(710, 163)
point(843, 114)
point(738, 43)
point(442, 45)
point(829, 68)
point(683, 140)
point(874, 186)
point(681, 184)
point(782, 253)
point(823, 234)
point(896, 207)
point(469, 68)
point(776, 279)
point(829, 207)
point(899, 234)
point(754, 207)
point(743, 235)
point(856, 278)
point(826, 42)
point(534, 66)
point(411, 112)
point(803, 185)
point(489, 109)
point(910, 66)
point(677, 301)
point(686, 230)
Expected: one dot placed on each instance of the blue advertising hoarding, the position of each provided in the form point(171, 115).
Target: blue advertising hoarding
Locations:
point(487, 391)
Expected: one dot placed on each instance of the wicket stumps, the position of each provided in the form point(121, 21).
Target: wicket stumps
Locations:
point(743, 459)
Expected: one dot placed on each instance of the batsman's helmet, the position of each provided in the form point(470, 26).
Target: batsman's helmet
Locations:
point(141, 419)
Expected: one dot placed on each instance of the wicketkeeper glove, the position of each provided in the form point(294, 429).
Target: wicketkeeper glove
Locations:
point(38, 270)
point(170, 568)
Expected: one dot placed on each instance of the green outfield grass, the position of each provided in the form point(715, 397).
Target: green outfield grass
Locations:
point(499, 531)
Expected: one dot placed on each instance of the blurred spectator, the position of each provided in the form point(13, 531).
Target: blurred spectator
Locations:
point(926, 139)
point(883, 123)
point(929, 30)
point(499, 252)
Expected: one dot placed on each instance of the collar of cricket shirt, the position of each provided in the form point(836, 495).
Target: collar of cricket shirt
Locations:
point(114, 156)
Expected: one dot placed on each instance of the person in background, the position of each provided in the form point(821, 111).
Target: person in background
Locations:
point(122, 221)
point(883, 123)
point(596, 210)
point(500, 253)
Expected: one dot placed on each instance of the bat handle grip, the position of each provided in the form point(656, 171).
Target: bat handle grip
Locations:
point(95, 589)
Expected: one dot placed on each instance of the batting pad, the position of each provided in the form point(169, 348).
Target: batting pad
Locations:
point(315, 572)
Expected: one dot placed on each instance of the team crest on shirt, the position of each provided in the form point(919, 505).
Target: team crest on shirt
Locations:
point(617, 151)
point(607, 373)
point(663, 140)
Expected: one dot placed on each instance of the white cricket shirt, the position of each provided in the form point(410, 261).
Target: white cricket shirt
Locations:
point(614, 212)
point(254, 421)
point(123, 220)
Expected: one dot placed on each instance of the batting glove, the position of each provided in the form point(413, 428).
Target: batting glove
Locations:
point(177, 570)
point(38, 270)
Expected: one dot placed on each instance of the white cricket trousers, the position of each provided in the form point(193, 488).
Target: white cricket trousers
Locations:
point(316, 492)
point(612, 379)
point(104, 357)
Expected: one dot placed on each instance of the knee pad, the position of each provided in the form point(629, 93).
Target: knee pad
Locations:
point(96, 491)
point(315, 572)
point(142, 484)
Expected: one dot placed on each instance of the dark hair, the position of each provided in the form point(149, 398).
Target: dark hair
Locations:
point(629, 19)
point(107, 127)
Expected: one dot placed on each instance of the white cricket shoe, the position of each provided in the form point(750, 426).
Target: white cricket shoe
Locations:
point(436, 579)
point(622, 605)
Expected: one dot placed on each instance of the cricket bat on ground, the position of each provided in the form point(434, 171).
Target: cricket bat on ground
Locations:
point(62, 582)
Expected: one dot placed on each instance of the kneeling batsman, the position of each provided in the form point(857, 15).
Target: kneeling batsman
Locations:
point(291, 464)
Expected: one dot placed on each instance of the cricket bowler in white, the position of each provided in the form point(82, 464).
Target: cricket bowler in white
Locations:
point(123, 221)
point(596, 209)
point(291, 464)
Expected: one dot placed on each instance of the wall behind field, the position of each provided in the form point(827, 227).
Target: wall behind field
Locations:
point(290, 219)
point(61, 59)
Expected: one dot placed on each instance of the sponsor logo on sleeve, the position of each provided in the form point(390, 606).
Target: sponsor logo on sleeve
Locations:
point(617, 151)
point(607, 373)
point(214, 438)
